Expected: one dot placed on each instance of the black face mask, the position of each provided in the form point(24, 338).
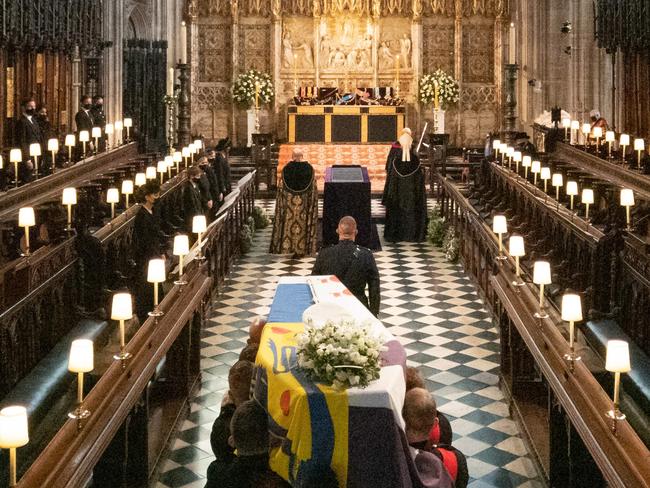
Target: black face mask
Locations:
point(86, 106)
point(99, 106)
point(30, 111)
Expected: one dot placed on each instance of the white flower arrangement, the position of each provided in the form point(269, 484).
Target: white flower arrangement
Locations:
point(438, 88)
point(342, 354)
point(243, 89)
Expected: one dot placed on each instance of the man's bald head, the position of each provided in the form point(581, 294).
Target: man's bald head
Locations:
point(420, 414)
point(347, 229)
point(297, 155)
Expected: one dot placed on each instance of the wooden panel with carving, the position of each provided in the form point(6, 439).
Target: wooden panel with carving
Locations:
point(478, 51)
point(438, 45)
point(215, 52)
point(213, 8)
point(439, 7)
point(254, 42)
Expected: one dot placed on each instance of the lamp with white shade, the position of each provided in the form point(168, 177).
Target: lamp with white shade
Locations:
point(181, 249)
point(610, 137)
point(128, 123)
point(84, 137)
point(185, 152)
point(496, 144)
point(598, 133)
point(199, 226)
point(572, 313)
point(617, 361)
point(53, 148)
point(14, 433)
point(627, 201)
point(80, 361)
point(198, 144)
point(69, 198)
point(587, 199)
point(156, 275)
point(586, 130)
point(624, 142)
point(15, 156)
point(557, 180)
point(193, 151)
point(639, 146)
point(526, 162)
point(108, 130)
point(112, 197)
point(572, 191)
point(517, 157)
point(541, 277)
point(575, 127)
point(26, 219)
point(119, 127)
point(140, 179)
point(150, 172)
point(96, 133)
point(517, 250)
point(503, 150)
point(169, 162)
point(536, 168)
point(127, 189)
point(566, 123)
point(178, 157)
point(510, 152)
point(545, 175)
point(500, 227)
point(161, 167)
point(70, 142)
point(121, 310)
point(35, 152)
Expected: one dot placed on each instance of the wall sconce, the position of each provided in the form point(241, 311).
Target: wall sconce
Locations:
point(181, 249)
point(500, 227)
point(26, 219)
point(35, 152)
point(156, 275)
point(69, 198)
point(112, 197)
point(517, 250)
point(571, 312)
point(617, 361)
point(14, 433)
point(627, 201)
point(80, 361)
point(541, 277)
point(121, 310)
point(199, 226)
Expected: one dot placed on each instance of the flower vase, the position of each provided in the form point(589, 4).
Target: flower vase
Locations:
point(438, 121)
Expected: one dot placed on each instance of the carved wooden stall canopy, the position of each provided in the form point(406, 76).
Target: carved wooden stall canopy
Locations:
point(347, 43)
point(39, 43)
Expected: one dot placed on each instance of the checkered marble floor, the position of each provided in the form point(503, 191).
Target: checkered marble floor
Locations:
point(434, 309)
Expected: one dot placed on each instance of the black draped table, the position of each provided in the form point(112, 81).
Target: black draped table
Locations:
point(347, 192)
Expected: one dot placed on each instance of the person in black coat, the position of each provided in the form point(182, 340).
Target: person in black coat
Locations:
point(99, 119)
point(192, 199)
point(213, 182)
point(354, 265)
point(83, 120)
point(222, 166)
point(28, 132)
point(148, 243)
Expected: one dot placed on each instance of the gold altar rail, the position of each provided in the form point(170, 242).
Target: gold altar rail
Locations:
point(623, 459)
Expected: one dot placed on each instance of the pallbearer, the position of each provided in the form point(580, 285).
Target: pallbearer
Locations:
point(404, 193)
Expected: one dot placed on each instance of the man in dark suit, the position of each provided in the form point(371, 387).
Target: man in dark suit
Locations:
point(83, 120)
point(192, 200)
point(352, 264)
point(210, 185)
point(222, 166)
point(99, 119)
point(28, 132)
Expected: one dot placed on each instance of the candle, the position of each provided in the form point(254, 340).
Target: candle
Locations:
point(170, 83)
point(397, 70)
point(257, 95)
point(436, 97)
point(183, 56)
point(511, 47)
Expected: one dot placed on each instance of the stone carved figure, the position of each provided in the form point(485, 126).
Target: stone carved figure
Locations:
point(276, 9)
point(351, 61)
point(417, 9)
point(405, 50)
point(234, 8)
point(386, 58)
point(307, 60)
point(376, 8)
point(316, 8)
point(287, 51)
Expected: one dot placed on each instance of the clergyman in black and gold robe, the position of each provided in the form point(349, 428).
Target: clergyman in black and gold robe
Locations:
point(404, 193)
point(296, 210)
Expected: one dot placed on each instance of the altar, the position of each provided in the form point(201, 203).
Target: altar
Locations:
point(344, 123)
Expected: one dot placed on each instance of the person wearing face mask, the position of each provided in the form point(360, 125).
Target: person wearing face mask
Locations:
point(83, 120)
point(192, 199)
point(148, 243)
point(209, 188)
point(27, 132)
point(99, 118)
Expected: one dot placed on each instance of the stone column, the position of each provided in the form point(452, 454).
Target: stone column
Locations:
point(510, 106)
point(458, 66)
point(113, 60)
point(76, 83)
point(416, 65)
point(235, 67)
